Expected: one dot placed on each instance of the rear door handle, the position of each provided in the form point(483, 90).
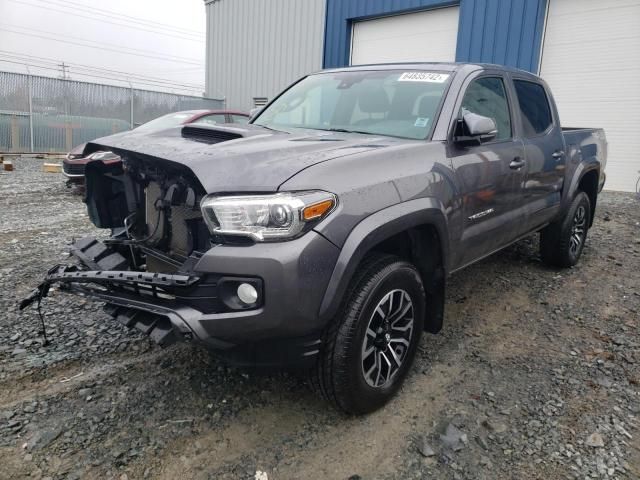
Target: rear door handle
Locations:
point(558, 154)
point(516, 163)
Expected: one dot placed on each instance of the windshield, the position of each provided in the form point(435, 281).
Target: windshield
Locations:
point(397, 103)
point(166, 121)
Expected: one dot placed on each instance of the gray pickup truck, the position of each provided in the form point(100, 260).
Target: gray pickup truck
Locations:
point(321, 234)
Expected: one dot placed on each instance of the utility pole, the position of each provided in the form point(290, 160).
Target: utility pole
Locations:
point(68, 129)
point(131, 97)
point(64, 67)
point(29, 85)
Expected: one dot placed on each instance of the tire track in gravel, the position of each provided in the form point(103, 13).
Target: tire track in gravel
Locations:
point(368, 446)
point(75, 373)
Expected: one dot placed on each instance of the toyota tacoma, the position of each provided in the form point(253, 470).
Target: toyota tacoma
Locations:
point(321, 234)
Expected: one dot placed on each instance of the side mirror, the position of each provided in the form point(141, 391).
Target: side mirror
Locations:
point(474, 129)
point(254, 111)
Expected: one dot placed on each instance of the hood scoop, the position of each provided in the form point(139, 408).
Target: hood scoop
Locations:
point(209, 135)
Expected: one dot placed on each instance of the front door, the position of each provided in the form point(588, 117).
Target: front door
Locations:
point(490, 175)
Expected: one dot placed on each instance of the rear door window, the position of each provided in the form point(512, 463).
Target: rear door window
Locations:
point(534, 107)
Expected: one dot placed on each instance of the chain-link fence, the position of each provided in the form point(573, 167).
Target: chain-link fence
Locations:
point(41, 114)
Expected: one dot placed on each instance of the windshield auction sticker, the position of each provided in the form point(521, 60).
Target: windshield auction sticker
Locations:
point(423, 77)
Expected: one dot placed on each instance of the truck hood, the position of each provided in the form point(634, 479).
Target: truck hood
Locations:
point(260, 160)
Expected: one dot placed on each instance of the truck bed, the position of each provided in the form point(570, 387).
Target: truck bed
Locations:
point(585, 143)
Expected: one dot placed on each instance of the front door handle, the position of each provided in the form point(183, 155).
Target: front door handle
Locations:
point(516, 163)
point(558, 154)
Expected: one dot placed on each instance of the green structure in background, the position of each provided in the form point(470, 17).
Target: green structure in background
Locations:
point(42, 114)
point(53, 133)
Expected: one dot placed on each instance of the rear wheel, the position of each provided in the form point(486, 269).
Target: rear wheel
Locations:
point(370, 345)
point(561, 243)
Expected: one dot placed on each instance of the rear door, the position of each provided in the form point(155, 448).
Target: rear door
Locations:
point(544, 151)
point(491, 174)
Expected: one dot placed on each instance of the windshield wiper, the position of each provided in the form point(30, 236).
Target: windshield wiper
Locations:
point(268, 128)
point(344, 130)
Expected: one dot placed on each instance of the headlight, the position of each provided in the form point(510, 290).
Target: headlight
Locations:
point(280, 216)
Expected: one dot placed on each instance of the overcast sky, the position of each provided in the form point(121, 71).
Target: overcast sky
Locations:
point(161, 39)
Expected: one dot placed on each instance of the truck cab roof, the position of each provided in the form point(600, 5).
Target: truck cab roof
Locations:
point(440, 66)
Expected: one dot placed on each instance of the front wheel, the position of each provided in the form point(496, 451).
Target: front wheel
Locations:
point(561, 243)
point(371, 344)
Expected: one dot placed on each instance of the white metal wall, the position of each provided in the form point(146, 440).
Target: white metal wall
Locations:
point(428, 36)
point(591, 60)
point(255, 48)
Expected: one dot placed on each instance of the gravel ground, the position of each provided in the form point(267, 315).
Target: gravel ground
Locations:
point(536, 375)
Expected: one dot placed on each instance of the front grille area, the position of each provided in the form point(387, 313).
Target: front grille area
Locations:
point(73, 168)
point(184, 231)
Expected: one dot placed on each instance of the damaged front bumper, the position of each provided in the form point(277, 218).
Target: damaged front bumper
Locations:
point(161, 305)
point(156, 317)
point(198, 302)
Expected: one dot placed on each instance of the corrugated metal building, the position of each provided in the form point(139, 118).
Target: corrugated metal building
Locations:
point(588, 51)
point(257, 47)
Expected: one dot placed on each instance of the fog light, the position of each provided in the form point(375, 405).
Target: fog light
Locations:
point(247, 293)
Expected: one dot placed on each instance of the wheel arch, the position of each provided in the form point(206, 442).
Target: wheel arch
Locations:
point(415, 230)
point(586, 177)
point(589, 184)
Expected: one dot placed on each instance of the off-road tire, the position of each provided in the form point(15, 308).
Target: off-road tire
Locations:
point(339, 375)
point(556, 247)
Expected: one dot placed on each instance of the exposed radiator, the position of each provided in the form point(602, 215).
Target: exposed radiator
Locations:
point(182, 229)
